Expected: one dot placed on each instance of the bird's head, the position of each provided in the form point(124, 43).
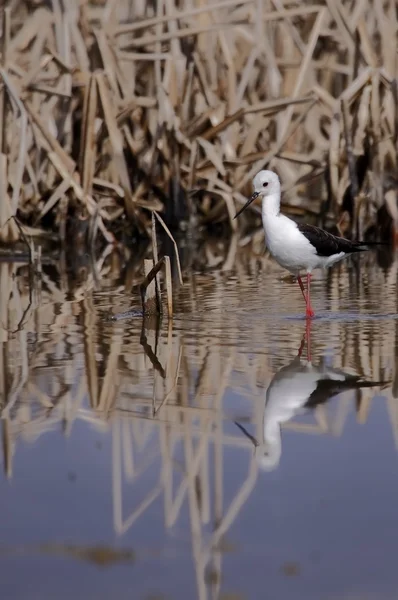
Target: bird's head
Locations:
point(268, 457)
point(265, 183)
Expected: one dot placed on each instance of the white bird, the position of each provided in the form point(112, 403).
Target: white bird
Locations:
point(294, 246)
point(296, 389)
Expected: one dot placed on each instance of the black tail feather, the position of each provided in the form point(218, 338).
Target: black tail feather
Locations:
point(363, 246)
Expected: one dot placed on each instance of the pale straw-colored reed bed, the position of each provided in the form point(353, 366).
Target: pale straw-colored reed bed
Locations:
point(112, 109)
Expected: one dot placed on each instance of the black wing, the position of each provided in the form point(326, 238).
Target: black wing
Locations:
point(327, 244)
point(327, 388)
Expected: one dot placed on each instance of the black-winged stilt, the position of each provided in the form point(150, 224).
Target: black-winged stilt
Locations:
point(294, 246)
point(298, 388)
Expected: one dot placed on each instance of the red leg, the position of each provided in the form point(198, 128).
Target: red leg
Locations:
point(308, 336)
point(309, 312)
point(300, 282)
point(300, 350)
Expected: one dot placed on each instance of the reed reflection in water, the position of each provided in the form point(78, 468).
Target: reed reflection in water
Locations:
point(153, 462)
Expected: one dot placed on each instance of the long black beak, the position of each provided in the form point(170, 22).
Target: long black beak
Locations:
point(253, 440)
point(253, 197)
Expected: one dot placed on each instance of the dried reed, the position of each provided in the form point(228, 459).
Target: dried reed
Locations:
point(112, 110)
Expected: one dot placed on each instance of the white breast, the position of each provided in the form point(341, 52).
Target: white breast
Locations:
point(285, 397)
point(287, 245)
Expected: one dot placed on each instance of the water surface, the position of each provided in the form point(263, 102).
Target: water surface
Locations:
point(134, 458)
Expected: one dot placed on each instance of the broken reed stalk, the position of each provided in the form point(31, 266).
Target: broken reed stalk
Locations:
point(113, 115)
point(151, 298)
point(150, 304)
point(155, 261)
point(148, 289)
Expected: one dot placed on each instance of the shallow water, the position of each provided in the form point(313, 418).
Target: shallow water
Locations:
point(134, 458)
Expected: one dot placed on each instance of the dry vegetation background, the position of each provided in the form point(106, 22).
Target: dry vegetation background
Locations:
point(112, 109)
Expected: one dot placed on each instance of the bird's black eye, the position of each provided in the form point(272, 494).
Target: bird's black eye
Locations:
point(265, 183)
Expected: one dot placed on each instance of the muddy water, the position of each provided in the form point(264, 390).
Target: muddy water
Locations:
point(237, 453)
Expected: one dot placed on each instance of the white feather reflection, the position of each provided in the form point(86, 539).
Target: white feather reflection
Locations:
point(296, 389)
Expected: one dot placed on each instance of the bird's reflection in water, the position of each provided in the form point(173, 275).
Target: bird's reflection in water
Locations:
point(296, 389)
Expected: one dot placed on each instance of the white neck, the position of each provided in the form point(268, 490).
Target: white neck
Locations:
point(273, 447)
point(271, 431)
point(271, 205)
